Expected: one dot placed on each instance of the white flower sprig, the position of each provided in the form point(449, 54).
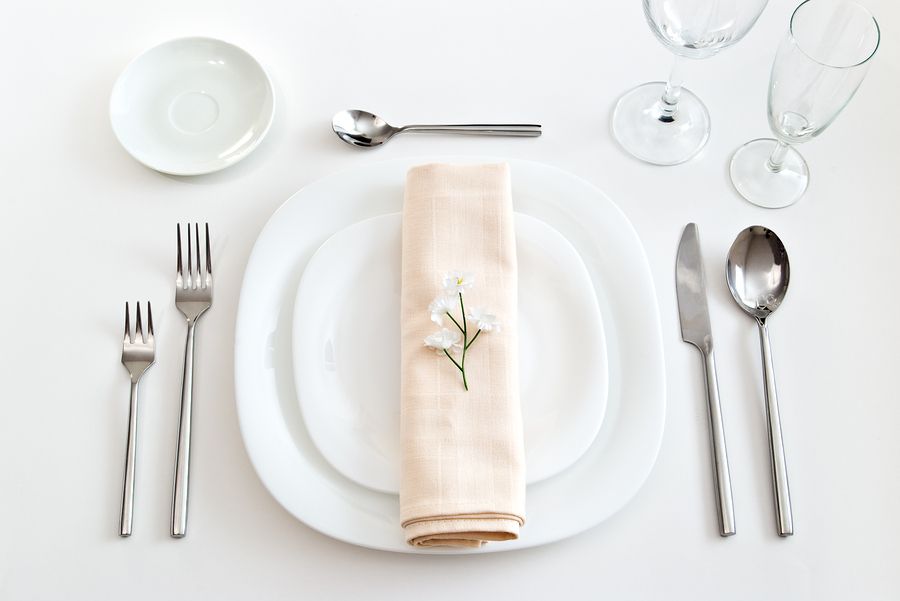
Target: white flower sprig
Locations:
point(452, 342)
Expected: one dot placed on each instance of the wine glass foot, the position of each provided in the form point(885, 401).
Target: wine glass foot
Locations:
point(760, 185)
point(641, 128)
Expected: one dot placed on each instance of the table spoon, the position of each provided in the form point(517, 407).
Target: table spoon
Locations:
point(758, 272)
point(362, 128)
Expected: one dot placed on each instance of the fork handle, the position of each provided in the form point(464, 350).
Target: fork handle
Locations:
point(183, 450)
point(125, 519)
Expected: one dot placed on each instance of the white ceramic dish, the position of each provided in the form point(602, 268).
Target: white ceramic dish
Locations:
point(600, 483)
point(191, 106)
point(350, 392)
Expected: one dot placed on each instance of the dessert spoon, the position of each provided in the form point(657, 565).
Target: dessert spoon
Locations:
point(758, 272)
point(362, 128)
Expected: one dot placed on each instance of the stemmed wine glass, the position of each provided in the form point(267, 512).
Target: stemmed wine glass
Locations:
point(817, 70)
point(661, 122)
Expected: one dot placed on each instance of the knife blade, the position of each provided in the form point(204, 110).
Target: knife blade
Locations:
point(693, 312)
point(690, 288)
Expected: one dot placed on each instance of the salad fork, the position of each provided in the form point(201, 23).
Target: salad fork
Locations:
point(193, 296)
point(138, 351)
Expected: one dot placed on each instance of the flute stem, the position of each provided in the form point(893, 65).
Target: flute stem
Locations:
point(776, 159)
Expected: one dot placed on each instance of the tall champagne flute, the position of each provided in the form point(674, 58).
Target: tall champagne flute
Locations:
point(661, 122)
point(818, 68)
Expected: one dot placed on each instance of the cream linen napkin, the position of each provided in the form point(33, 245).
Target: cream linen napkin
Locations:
point(463, 461)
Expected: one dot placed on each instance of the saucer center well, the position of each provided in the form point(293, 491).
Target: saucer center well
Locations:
point(193, 112)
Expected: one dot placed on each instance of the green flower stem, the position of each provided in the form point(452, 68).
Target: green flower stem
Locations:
point(462, 366)
point(458, 366)
point(473, 339)
point(453, 319)
point(462, 309)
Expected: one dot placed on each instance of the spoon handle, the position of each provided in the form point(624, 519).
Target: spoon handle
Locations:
point(515, 130)
point(783, 513)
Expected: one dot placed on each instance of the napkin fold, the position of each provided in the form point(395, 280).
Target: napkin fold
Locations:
point(463, 460)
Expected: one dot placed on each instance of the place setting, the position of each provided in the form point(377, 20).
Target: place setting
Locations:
point(464, 354)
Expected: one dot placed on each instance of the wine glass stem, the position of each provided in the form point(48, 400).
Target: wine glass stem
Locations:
point(669, 102)
point(776, 159)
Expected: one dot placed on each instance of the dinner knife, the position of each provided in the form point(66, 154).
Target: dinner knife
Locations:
point(693, 311)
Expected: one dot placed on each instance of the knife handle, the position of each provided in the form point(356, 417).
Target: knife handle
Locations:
point(722, 473)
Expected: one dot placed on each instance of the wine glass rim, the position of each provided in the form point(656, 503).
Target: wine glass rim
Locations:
point(824, 64)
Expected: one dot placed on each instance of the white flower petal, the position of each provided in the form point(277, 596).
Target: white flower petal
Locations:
point(440, 307)
point(444, 340)
point(487, 321)
point(457, 282)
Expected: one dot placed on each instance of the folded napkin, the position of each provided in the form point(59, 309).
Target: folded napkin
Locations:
point(463, 461)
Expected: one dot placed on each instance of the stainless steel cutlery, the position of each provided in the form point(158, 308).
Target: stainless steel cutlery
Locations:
point(193, 296)
point(362, 128)
point(690, 286)
point(138, 353)
point(757, 272)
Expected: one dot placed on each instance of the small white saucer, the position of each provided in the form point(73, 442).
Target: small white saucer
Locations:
point(191, 106)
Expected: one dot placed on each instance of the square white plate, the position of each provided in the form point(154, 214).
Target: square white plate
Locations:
point(602, 481)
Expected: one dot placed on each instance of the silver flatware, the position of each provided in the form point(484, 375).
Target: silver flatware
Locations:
point(138, 350)
point(693, 311)
point(758, 273)
point(362, 128)
point(193, 296)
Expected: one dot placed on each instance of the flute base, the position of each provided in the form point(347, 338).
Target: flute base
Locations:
point(643, 130)
point(762, 186)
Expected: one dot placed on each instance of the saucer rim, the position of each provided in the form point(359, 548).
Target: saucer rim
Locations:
point(225, 163)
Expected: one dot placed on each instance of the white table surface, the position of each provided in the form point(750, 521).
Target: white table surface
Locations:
point(84, 227)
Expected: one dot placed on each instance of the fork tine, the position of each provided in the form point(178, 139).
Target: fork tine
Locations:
point(149, 322)
point(199, 269)
point(208, 257)
point(138, 328)
point(190, 263)
point(178, 228)
point(127, 324)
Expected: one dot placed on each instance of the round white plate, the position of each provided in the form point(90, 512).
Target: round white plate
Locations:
point(192, 106)
point(350, 392)
point(600, 483)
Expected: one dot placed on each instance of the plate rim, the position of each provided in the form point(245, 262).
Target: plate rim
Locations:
point(245, 416)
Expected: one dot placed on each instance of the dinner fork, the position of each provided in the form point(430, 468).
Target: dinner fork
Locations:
point(193, 296)
point(138, 350)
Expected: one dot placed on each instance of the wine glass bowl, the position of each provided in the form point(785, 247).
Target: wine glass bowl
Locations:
point(700, 28)
point(661, 122)
point(818, 68)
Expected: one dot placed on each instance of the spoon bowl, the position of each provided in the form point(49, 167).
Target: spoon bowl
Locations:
point(758, 271)
point(362, 128)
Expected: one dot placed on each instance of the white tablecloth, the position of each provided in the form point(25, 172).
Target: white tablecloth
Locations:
point(84, 227)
